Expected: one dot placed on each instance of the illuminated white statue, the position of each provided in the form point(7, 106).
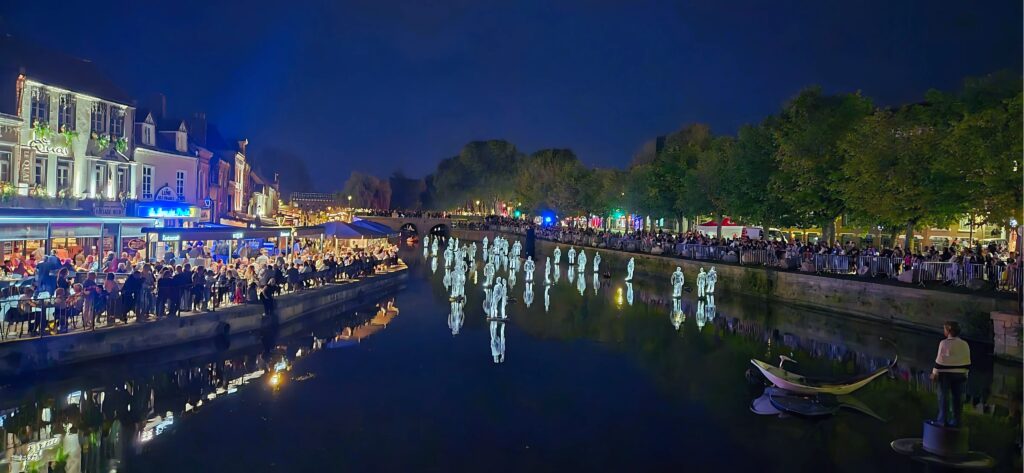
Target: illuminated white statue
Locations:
point(426, 249)
point(456, 317)
point(488, 273)
point(485, 244)
point(677, 282)
point(449, 256)
point(572, 255)
point(677, 317)
point(529, 267)
point(597, 261)
point(498, 341)
point(712, 279)
point(629, 293)
point(582, 260)
point(547, 271)
point(702, 281)
point(558, 254)
point(472, 252)
point(433, 247)
point(528, 295)
point(629, 270)
point(501, 298)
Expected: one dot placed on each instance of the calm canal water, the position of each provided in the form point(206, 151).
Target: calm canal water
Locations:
point(604, 381)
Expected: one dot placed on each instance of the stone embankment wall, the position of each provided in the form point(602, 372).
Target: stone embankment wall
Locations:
point(22, 356)
point(906, 306)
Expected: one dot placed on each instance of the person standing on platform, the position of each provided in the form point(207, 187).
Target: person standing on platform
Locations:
point(952, 364)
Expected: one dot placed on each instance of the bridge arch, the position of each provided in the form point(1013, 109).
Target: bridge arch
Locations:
point(409, 228)
point(441, 229)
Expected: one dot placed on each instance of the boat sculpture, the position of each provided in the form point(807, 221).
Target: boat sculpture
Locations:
point(804, 385)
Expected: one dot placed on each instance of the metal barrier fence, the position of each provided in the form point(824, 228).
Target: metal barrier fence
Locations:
point(999, 277)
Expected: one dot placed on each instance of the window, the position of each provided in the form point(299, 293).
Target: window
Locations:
point(40, 106)
point(100, 178)
point(179, 185)
point(39, 174)
point(99, 118)
point(147, 135)
point(147, 182)
point(6, 158)
point(116, 122)
point(63, 175)
point(122, 181)
point(67, 112)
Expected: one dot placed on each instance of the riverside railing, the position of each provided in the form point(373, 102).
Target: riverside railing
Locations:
point(997, 277)
point(40, 314)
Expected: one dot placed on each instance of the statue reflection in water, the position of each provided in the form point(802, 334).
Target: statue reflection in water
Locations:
point(498, 341)
point(456, 317)
point(547, 298)
point(705, 311)
point(629, 293)
point(597, 283)
point(581, 283)
point(556, 274)
point(528, 295)
point(572, 274)
point(678, 316)
point(433, 265)
point(487, 302)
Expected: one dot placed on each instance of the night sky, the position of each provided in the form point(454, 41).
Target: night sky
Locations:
point(377, 86)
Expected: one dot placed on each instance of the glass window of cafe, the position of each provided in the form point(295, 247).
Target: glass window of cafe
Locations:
point(22, 241)
point(76, 240)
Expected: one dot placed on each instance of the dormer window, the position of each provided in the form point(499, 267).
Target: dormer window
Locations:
point(181, 139)
point(148, 135)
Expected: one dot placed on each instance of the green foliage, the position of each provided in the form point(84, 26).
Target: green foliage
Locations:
point(367, 191)
point(551, 179)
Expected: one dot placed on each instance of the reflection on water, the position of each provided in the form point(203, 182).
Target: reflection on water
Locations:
point(91, 422)
point(823, 344)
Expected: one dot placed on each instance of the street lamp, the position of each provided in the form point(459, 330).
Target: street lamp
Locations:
point(350, 201)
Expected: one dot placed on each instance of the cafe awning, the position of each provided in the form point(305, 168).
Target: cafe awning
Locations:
point(374, 226)
point(217, 233)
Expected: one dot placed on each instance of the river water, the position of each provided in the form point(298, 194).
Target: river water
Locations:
point(614, 379)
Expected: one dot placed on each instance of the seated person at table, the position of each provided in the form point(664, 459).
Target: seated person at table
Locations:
point(21, 270)
point(27, 306)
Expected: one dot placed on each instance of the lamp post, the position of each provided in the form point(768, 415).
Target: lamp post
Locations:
point(350, 201)
point(477, 208)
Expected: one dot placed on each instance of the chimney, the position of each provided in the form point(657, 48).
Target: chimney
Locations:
point(197, 127)
point(158, 104)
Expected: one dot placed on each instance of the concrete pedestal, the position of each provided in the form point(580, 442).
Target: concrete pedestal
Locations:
point(1006, 333)
point(944, 441)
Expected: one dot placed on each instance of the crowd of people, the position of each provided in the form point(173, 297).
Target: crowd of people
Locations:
point(993, 262)
point(62, 295)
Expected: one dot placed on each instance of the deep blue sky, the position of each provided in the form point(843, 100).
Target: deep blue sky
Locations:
point(377, 86)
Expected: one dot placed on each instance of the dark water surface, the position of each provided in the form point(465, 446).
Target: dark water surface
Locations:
point(598, 382)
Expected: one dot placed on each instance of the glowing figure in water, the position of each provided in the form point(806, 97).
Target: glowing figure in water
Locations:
point(702, 316)
point(433, 247)
point(511, 281)
point(677, 282)
point(528, 295)
point(472, 252)
point(529, 267)
point(629, 269)
point(582, 260)
point(558, 254)
point(709, 288)
point(498, 341)
point(581, 283)
point(447, 279)
point(449, 256)
point(456, 317)
point(556, 274)
point(597, 283)
point(597, 262)
point(503, 300)
point(458, 284)
point(677, 316)
point(485, 244)
point(572, 273)
point(433, 265)
point(488, 303)
point(426, 249)
point(547, 298)
point(702, 281)
point(710, 307)
point(488, 273)
point(572, 255)
point(629, 293)
point(547, 271)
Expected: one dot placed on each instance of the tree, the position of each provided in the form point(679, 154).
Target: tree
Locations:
point(809, 158)
point(367, 191)
point(483, 171)
point(704, 186)
point(551, 179)
point(751, 166)
point(892, 172)
point(604, 191)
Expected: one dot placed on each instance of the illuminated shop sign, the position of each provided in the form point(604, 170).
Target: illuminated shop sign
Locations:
point(238, 235)
point(154, 211)
point(170, 237)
